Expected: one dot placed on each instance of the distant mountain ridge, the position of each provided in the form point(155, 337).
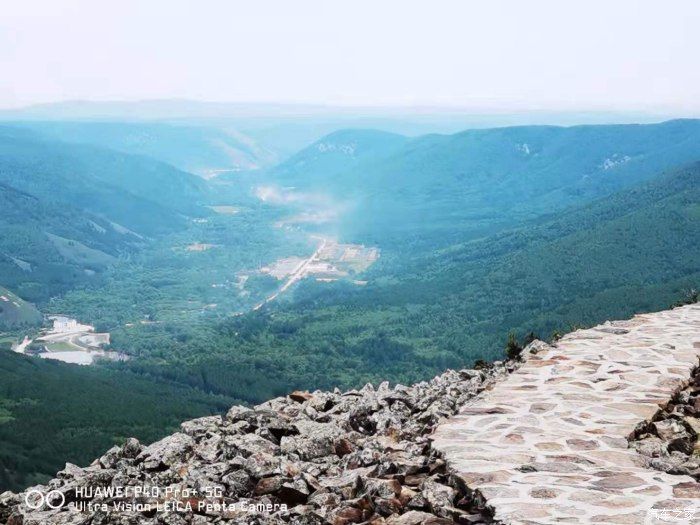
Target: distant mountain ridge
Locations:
point(480, 181)
point(284, 128)
point(200, 148)
point(160, 109)
point(336, 154)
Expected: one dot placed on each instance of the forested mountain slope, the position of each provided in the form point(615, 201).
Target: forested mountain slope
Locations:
point(47, 247)
point(51, 412)
point(625, 253)
point(142, 194)
point(68, 211)
point(480, 181)
point(326, 164)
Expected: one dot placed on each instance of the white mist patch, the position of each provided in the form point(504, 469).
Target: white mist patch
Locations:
point(97, 227)
point(221, 210)
point(276, 195)
point(291, 196)
point(310, 207)
point(123, 230)
point(318, 217)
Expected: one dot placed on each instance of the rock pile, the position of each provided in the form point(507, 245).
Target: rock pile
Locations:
point(670, 440)
point(362, 456)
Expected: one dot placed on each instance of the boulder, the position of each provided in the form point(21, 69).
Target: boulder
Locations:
point(270, 485)
point(293, 492)
point(169, 451)
point(438, 495)
point(300, 396)
point(414, 517)
point(670, 429)
point(201, 426)
point(238, 483)
point(381, 488)
point(651, 446)
point(132, 448)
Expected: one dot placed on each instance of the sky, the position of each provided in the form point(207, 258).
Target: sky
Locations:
point(639, 55)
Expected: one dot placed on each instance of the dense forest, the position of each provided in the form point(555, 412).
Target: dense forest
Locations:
point(51, 413)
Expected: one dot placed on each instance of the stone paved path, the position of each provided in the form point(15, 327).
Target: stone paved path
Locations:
point(549, 444)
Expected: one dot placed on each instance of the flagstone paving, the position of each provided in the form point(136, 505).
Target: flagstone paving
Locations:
point(549, 443)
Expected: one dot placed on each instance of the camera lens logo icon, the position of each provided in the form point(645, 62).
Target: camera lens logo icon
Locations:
point(35, 499)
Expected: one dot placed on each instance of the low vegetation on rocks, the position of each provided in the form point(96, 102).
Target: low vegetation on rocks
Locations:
point(361, 456)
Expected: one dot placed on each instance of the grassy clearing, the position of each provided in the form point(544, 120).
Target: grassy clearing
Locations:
point(62, 346)
point(15, 311)
point(77, 252)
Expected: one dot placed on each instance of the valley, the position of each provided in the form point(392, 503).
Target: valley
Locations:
point(365, 256)
point(360, 263)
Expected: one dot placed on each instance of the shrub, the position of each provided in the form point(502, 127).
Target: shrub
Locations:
point(513, 348)
point(689, 297)
point(529, 338)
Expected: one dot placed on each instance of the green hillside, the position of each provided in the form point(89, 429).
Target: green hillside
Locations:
point(51, 413)
point(634, 251)
point(448, 187)
point(141, 194)
point(67, 212)
point(47, 248)
point(326, 163)
point(15, 312)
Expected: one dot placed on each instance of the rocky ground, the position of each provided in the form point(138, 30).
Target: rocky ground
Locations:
point(309, 458)
point(670, 440)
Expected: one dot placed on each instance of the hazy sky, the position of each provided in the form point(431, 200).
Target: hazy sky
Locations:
point(537, 54)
